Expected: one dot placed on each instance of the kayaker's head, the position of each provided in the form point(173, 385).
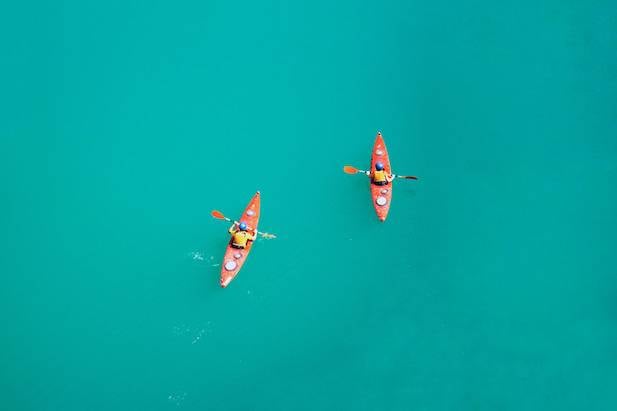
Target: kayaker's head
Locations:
point(379, 166)
point(242, 226)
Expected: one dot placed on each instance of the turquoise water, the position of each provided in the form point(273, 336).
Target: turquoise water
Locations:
point(491, 286)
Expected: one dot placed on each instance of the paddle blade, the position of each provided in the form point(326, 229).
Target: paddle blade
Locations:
point(217, 214)
point(350, 170)
point(411, 177)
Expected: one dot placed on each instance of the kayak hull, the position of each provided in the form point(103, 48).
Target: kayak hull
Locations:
point(234, 258)
point(381, 195)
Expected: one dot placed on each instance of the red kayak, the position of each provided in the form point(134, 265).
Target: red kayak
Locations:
point(234, 258)
point(381, 195)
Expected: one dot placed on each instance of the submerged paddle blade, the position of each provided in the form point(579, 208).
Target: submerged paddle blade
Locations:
point(217, 214)
point(410, 177)
point(350, 170)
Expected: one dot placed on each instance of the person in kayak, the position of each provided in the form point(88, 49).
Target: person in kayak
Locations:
point(380, 176)
point(240, 235)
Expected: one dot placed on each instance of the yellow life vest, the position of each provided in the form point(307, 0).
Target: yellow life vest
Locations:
point(379, 176)
point(240, 238)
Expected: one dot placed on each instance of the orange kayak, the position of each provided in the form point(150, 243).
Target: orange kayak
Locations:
point(234, 258)
point(381, 195)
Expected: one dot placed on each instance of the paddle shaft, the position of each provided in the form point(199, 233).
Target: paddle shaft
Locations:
point(393, 175)
point(237, 223)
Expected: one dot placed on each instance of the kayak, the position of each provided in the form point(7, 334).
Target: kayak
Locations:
point(381, 195)
point(234, 258)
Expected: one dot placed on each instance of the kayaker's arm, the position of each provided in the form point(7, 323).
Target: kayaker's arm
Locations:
point(233, 229)
point(254, 235)
point(390, 177)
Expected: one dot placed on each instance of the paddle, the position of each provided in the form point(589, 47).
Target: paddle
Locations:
point(218, 215)
point(353, 170)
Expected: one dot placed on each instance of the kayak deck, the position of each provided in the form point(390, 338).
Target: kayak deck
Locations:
point(381, 195)
point(234, 258)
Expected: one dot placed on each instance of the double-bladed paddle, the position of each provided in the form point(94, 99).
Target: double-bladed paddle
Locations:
point(218, 215)
point(353, 170)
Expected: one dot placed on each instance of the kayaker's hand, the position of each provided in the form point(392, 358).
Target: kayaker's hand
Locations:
point(368, 173)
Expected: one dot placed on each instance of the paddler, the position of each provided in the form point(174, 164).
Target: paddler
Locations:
point(240, 235)
point(380, 176)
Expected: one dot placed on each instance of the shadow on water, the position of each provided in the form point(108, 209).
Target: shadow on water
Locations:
point(409, 191)
point(210, 282)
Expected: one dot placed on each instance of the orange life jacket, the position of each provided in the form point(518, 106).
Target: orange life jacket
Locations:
point(240, 238)
point(379, 176)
